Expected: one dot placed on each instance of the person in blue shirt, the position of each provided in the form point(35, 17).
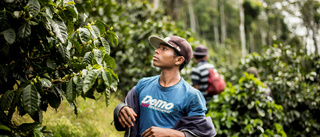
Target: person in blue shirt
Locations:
point(165, 105)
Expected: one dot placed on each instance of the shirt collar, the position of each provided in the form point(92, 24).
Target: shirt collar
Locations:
point(203, 61)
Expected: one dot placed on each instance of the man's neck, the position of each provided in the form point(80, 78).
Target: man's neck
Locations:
point(199, 60)
point(169, 78)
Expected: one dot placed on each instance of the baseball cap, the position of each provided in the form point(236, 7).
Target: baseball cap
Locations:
point(200, 50)
point(181, 45)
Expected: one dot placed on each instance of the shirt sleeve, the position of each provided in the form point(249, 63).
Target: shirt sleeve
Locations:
point(197, 106)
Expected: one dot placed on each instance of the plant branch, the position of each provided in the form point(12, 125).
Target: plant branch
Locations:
point(43, 56)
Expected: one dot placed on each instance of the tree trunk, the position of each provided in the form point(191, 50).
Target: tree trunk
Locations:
point(251, 42)
point(263, 37)
point(223, 24)
point(242, 32)
point(155, 5)
point(215, 24)
point(314, 38)
point(173, 8)
point(192, 18)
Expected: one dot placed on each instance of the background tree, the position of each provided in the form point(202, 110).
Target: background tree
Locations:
point(311, 18)
point(242, 29)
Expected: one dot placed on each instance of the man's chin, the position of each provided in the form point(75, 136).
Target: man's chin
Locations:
point(155, 64)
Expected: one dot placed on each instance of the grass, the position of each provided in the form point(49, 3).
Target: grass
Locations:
point(94, 119)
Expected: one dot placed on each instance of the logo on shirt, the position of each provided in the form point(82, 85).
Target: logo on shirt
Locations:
point(157, 104)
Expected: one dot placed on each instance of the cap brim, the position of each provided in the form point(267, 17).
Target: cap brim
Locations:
point(199, 53)
point(156, 41)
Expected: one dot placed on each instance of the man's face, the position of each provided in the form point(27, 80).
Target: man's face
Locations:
point(164, 57)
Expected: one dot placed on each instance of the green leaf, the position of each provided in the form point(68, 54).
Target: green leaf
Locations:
point(69, 46)
point(110, 61)
point(96, 43)
point(113, 74)
point(46, 20)
point(70, 26)
point(107, 77)
point(113, 37)
point(46, 82)
point(88, 5)
point(89, 80)
point(100, 24)
point(64, 54)
point(30, 99)
point(76, 80)
point(34, 7)
point(27, 127)
point(115, 80)
point(84, 35)
point(87, 58)
point(94, 31)
point(3, 127)
point(74, 107)
point(10, 35)
point(24, 30)
point(49, 12)
point(54, 100)
point(37, 134)
point(38, 85)
point(7, 99)
point(98, 56)
point(3, 19)
point(251, 105)
point(107, 95)
point(96, 66)
point(49, 64)
point(79, 66)
point(76, 44)
point(70, 94)
point(71, 13)
point(79, 86)
point(105, 45)
point(60, 29)
point(260, 111)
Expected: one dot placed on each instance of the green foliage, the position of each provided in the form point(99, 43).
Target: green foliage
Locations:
point(246, 110)
point(134, 22)
point(65, 128)
point(252, 9)
point(91, 121)
point(50, 54)
point(293, 77)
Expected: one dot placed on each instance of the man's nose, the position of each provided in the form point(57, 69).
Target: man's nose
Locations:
point(156, 51)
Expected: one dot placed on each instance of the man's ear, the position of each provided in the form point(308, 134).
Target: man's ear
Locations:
point(179, 60)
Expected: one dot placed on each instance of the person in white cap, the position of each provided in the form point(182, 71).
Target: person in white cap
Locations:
point(165, 105)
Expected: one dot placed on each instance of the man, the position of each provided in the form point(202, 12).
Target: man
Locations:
point(200, 73)
point(165, 105)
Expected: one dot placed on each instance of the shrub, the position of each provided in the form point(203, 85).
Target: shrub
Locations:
point(49, 52)
point(293, 77)
point(245, 110)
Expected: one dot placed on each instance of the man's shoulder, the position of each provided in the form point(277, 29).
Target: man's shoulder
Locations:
point(190, 89)
point(202, 67)
point(146, 80)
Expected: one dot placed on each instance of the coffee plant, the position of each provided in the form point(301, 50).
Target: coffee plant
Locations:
point(293, 77)
point(50, 52)
point(245, 110)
